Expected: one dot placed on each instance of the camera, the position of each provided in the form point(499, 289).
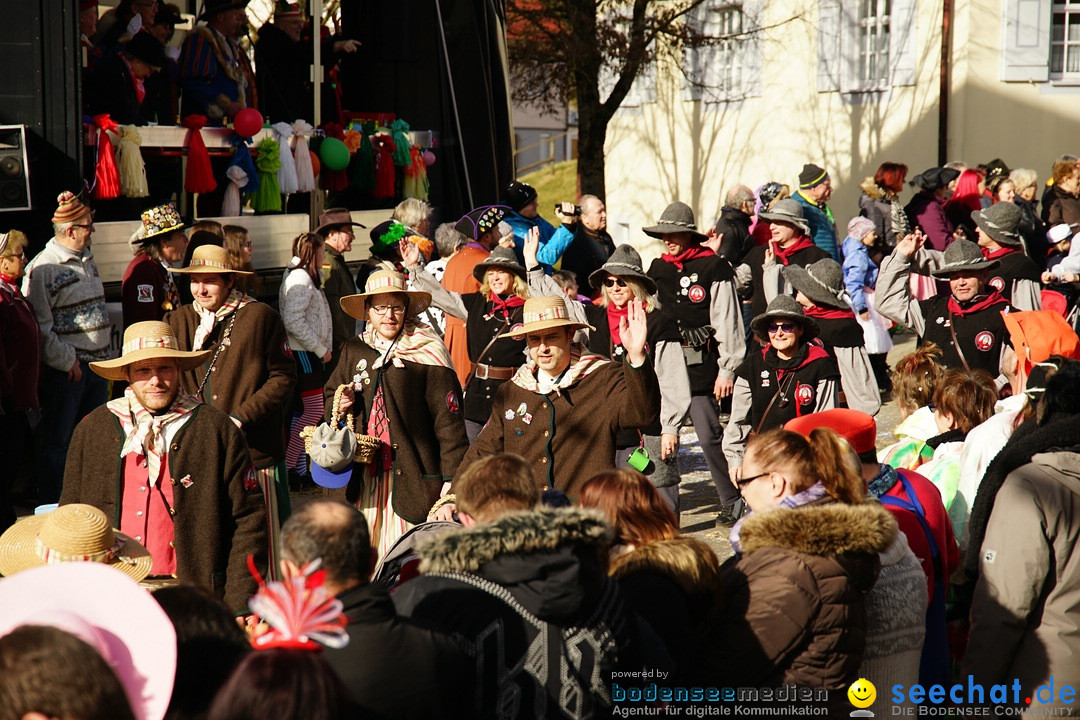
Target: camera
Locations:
point(576, 213)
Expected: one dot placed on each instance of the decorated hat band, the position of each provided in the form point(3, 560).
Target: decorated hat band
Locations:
point(831, 290)
point(556, 312)
point(141, 343)
point(384, 282)
point(52, 556)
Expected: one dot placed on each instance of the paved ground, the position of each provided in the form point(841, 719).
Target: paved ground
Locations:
point(698, 494)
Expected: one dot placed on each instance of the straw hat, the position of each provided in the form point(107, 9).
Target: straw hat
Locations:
point(541, 313)
point(676, 218)
point(211, 259)
point(70, 533)
point(385, 281)
point(963, 256)
point(624, 262)
point(784, 307)
point(146, 340)
point(69, 209)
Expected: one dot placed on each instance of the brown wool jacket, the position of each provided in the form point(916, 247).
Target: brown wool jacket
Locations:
point(220, 517)
point(253, 377)
point(427, 431)
point(570, 435)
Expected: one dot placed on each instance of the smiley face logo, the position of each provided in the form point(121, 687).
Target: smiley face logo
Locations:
point(862, 693)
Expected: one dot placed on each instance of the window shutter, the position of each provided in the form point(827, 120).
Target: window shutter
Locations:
point(903, 43)
point(1025, 50)
point(751, 49)
point(828, 75)
point(850, 44)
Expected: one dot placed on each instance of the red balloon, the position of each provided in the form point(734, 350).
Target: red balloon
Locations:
point(248, 122)
point(315, 165)
point(429, 158)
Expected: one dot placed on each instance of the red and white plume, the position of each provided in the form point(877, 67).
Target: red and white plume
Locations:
point(299, 611)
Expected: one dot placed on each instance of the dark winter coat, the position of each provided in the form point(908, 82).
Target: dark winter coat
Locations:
point(253, 377)
point(20, 352)
point(1061, 207)
point(427, 432)
point(339, 283)
point(793, 603)
point(519, 592)
point(220, 516)
point(926, 211)
point(394, 668)
point(734, 225)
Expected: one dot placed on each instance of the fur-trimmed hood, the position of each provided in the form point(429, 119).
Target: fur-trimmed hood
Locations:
point(685, 561)
point(875, 191)
point(826, 530)
point(536, 531)
point(551, 561)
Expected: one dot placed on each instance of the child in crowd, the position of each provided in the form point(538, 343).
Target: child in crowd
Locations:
point(860, 277)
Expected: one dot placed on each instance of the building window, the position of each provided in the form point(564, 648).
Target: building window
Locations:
point(1065, 39)
point(873, 44)
point(725, 73)
point(724, 67)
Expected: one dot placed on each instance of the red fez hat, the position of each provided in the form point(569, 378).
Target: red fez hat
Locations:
point(858, 428)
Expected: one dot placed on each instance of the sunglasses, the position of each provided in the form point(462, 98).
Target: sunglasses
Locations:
point(777, 327)
point(743, 482)
point(613, 281)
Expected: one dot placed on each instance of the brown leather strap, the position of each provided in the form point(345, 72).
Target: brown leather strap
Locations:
point(956, 343)
point(493, 372)
point(472, 373)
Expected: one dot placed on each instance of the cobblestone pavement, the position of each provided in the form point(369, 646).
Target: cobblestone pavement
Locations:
point(698, 495)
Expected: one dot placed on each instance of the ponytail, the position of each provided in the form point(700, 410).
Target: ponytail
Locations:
point(829, 455)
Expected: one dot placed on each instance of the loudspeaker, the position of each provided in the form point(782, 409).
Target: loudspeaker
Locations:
point(14, 169)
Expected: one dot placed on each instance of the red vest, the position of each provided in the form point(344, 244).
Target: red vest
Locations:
point(144, 512)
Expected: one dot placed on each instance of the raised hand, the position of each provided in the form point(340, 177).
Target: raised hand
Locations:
point(531, 247)
point(634, 330)
point(410, 254)
point(714, 239)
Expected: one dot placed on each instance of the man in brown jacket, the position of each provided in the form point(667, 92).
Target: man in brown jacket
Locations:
point(169, 471)
point(249, 373)
point(562, 409)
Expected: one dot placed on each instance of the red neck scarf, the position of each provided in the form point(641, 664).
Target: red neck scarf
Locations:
point(826, 313)
point(976, 305)
point(505, 305)
point(690, 253)
point(9, 280)
point(784, 254)
point(999, 253)
point(614, 315)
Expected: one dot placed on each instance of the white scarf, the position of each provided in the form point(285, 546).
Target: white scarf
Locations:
point(207, 319)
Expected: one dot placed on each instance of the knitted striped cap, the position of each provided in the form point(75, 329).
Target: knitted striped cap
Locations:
point(69, 209)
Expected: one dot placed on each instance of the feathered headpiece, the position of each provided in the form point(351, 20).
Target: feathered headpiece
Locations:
point(300, 613)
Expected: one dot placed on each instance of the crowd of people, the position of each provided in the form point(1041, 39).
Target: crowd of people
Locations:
point(504, 538)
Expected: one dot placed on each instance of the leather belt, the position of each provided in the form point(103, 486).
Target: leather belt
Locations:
point(493, 372)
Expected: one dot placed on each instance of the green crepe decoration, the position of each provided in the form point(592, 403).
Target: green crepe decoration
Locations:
point(267, 163)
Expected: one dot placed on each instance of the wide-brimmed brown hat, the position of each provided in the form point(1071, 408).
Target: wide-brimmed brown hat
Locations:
point(541, 313)
point(385, 281)
point(963, 256)
point(71, 533)
point(624, 262)
point(821, 281)
point(501, 258)
point(145, 341)
point(335, 217)
point(677, 217)
point(211, 260)
point(784, 307)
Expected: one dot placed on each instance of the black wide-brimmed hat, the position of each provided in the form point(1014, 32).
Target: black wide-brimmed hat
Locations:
point(676, 218)
point(784, 307)
point(145, 47)
point(624, 262)
point(501, 258)
point(786, 211)
point(1001, 221)
point(821, 281)
point(963, 256)
point(934, 178)
point(213, 7)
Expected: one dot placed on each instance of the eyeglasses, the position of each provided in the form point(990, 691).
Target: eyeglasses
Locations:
point(743, 482)
point(85, 227)
point(387, 309)
point(786, 327)
point(613, 281)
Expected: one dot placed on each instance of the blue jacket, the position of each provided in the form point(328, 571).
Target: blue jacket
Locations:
point(859, 272)
point(553, 242)
point(822, 230)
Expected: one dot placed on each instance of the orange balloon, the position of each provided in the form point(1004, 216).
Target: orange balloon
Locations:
point(315, 166)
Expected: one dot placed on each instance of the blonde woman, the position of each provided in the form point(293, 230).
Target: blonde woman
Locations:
point(488, 313)
point(237, 243)
point(621, 280)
